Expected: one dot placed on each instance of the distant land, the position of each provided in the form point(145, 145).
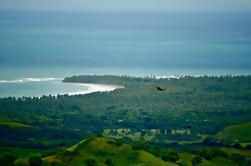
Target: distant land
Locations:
point(93, 85)
point(201, 120)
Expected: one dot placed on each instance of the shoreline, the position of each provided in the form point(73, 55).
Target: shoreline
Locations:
point(95, 88)
point(80, 88)
point(55, 86)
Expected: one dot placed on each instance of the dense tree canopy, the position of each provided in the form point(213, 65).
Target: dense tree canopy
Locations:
point(190, 109)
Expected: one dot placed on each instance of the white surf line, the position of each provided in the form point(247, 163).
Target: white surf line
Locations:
point(96, 88)
point(31, 79)
point(168, 77)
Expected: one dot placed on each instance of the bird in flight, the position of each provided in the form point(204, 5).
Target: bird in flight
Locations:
point(159, 88)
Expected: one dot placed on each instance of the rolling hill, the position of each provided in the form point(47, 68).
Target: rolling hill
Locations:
point(103, 151)
point(240, 133)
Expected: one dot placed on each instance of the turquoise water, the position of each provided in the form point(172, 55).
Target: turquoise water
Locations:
point(10, 84)
point(59, 44)
point(30, 87)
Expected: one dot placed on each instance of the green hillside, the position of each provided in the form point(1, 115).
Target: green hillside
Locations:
point(236, 133)
point(193, 113)
point(14, 124)
point(104, 151)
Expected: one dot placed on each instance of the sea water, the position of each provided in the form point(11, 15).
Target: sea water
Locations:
point(57, 44)
point(38, 87)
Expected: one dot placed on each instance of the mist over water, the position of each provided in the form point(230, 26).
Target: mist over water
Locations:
point(128, 40)
point(59, 44)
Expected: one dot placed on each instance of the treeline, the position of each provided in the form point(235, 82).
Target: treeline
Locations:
point(202, 105)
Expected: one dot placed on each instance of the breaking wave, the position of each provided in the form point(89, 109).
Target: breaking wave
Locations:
point(24, 80)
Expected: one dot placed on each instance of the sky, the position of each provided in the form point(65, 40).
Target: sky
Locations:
point(110, 5)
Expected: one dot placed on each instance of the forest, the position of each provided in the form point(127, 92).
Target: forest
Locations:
point(203, 117)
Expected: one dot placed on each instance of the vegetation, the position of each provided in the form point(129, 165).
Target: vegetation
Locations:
point(196, 160)
point(236, 133)
point(98, 151)
point(195, 118)
point(8, 159)
point(172, 157)
point(35, 160)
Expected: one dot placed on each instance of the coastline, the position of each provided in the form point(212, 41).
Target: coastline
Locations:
point(54, 86)
point(45, 86)
point(95, 88)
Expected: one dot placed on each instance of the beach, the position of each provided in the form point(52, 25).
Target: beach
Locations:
point(96, 88)
point(45, 86)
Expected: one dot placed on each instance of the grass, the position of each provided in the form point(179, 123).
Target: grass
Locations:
point(24, 152)
point(15, 125)
point(218, 161)
point(240, 133)
point(100, 150)
point(186, 158)
point(246, 153)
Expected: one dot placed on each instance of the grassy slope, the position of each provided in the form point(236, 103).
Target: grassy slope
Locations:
point(15, 125)
point(186, 158)
point(240, 133)
point(99, 149)
point(219, 161)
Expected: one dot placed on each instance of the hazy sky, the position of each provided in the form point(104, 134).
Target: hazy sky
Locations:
point(83, 5)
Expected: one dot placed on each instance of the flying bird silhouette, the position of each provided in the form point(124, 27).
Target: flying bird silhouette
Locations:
point(159, 88)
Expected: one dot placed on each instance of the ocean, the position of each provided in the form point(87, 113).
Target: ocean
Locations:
point(43, 45)
point(38, 87)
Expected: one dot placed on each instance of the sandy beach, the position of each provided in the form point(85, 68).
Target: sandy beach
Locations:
point(96, 88)
point(38, 87)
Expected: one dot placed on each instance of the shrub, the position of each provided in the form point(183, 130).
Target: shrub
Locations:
point(100, 135)
point(210, 141)
point(239, 159)
point(182, 164)
point(207, 154)
point(236, 145)
point(35, 160)
point(154, 151)
point(90, 162)
point(109, 162)
point(195, 152)
point(138, 145)
point(133, 156)
point(56, 163)
point(248, 147)
point(21, 162)
point(249, 162)
point(196, 160)
point(7, 159)
point(172, 157)
point(221, 153)
point(110, 142)
point(227, 142)
point(117, 142)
